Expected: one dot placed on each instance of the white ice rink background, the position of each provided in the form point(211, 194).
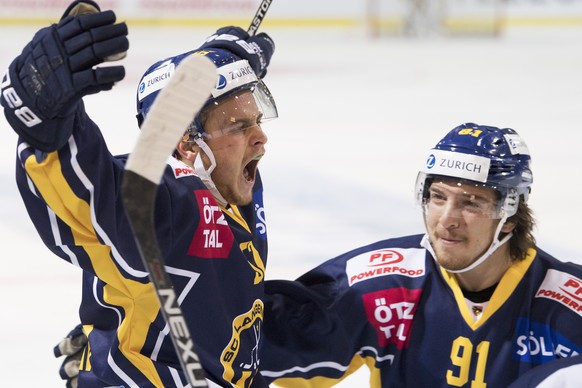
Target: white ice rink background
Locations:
point(356, 119)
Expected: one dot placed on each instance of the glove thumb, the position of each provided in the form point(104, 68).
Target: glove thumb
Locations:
point(84, 7)
point(77, 8)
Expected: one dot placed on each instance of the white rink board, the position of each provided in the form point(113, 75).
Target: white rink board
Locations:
point(287, 10)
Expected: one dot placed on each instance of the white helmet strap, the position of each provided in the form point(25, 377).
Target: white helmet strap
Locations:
point(495, 244)
point(203, 173)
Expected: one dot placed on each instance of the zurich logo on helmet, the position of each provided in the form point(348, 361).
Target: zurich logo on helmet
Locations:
point(141, 87)
point(221, 82)
point(431, 161)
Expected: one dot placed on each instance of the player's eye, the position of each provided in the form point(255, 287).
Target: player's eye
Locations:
point(436, 197)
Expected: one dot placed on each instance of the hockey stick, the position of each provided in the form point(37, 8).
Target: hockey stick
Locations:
point(166, 122)
point(170, 115)
point(259, 16)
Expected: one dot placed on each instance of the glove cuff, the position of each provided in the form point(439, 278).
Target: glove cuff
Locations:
point(42, 134)
point(48, 136)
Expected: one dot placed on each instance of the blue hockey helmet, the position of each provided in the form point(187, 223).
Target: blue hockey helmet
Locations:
point(493, 157)
point(233, 76)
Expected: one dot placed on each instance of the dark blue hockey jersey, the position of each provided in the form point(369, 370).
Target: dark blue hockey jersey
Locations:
point(389, 306)
point(560, 373)
point(215, 256)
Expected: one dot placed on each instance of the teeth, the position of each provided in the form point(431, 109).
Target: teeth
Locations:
point(250, 167)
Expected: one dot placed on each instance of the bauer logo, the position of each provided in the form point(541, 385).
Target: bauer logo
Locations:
point(385, 262)
point(155, 80)
point(563, 288)
point(537, 343)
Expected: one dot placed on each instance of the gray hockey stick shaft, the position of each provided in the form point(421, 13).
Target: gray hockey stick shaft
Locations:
point(169, 117)
point(259, 16)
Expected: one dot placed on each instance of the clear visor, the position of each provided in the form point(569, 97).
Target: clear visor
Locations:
point(460, 198)
point(236, 113)
point(265, 101)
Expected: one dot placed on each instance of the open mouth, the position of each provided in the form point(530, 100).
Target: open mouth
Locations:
point(250, 170)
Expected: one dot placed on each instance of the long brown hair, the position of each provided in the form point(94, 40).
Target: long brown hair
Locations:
point(523, 238)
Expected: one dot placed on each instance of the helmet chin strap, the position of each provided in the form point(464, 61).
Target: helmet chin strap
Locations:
point(495, 244)
point(203, 173)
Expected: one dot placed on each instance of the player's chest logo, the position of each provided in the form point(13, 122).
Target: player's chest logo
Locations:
point(391, 313)
point(563, 288)
point(213, 237)
point(386, 262)
point(240, 358)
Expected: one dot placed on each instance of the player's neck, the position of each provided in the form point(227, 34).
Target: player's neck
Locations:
point(487, 273)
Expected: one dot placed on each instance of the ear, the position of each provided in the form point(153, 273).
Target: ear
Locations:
point(508, 226)
point(187, 150)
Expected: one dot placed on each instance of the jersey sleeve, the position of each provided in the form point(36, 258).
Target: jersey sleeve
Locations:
point(76, 214)
point(216, 265)
point(564, 372)
point(307, 342)
point(73, 199)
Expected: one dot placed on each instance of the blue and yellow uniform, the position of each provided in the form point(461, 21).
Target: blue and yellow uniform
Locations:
point(390, 306)
point(215, 255)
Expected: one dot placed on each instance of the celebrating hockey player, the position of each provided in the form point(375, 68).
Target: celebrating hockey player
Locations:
point(473, 302)
point(208, 209)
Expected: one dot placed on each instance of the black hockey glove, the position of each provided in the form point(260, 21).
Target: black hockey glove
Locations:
point(45, 83)
point(257, 49)
point(72, 346)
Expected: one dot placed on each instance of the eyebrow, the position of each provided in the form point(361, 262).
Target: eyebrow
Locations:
point(245, 119)
point(478, 197)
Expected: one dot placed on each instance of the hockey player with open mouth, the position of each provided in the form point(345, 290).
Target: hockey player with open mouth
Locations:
point(208, 210)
